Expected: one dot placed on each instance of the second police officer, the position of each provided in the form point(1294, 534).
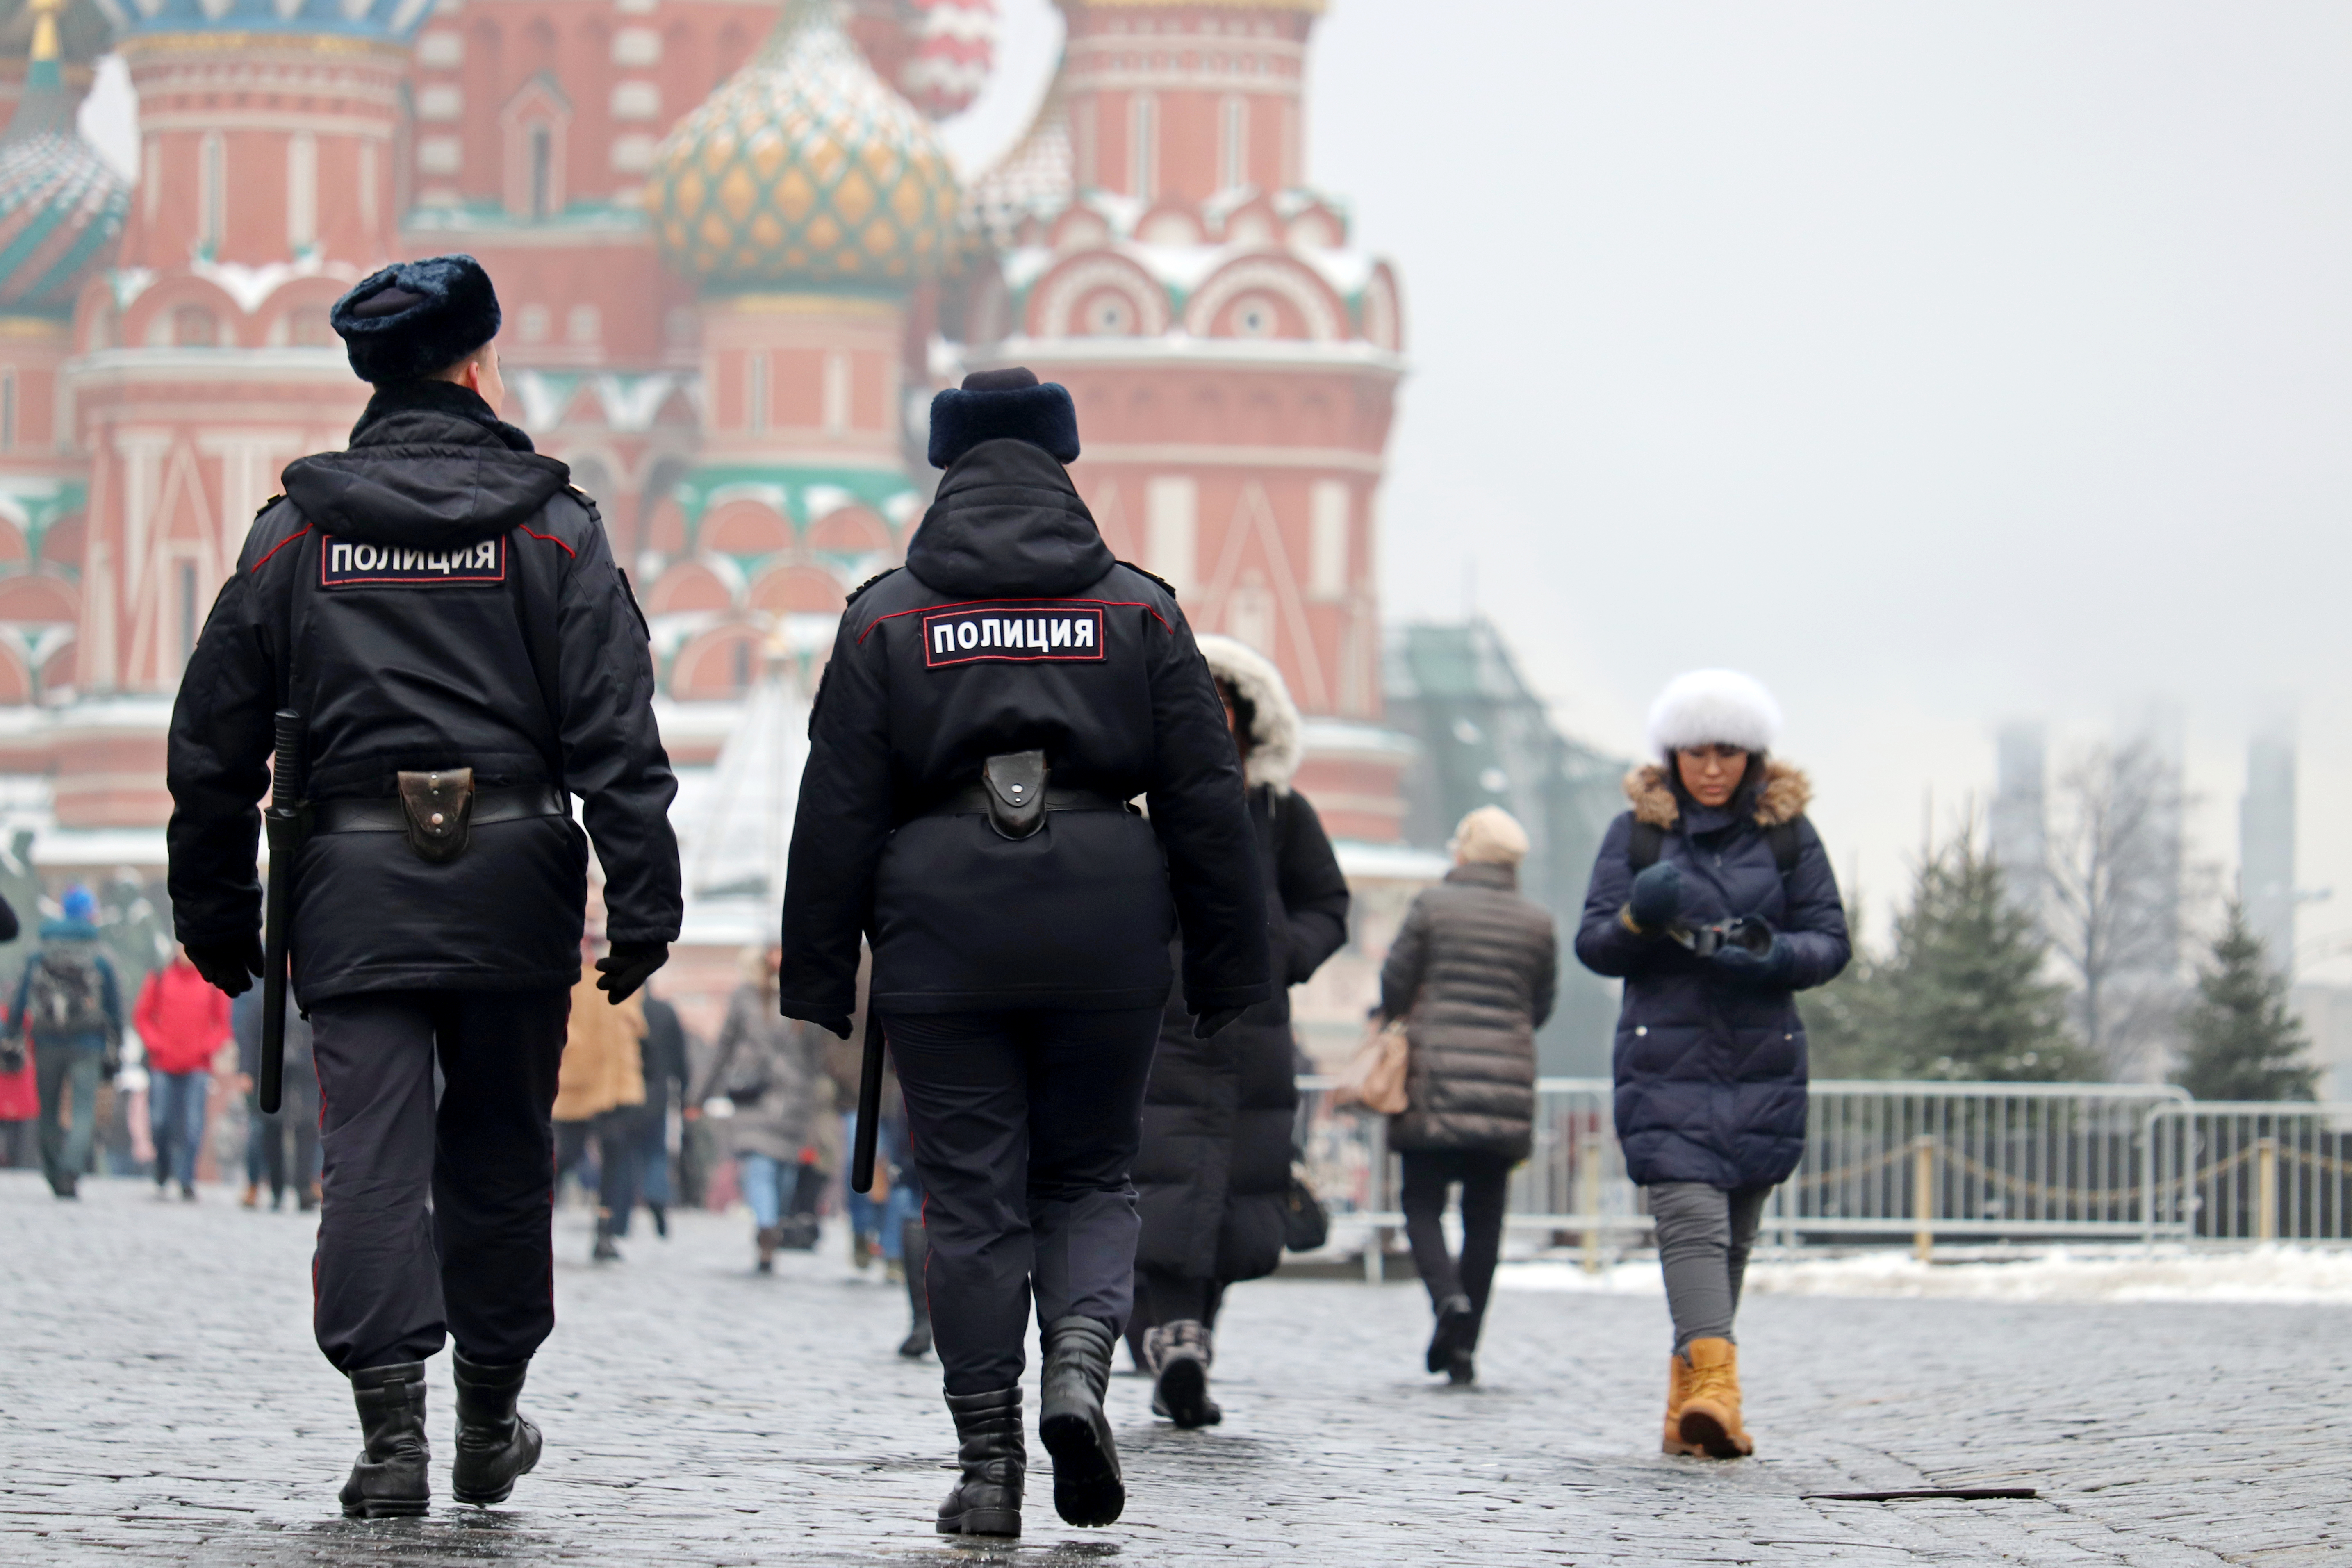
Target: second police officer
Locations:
point(445, 613)
point(987, 716)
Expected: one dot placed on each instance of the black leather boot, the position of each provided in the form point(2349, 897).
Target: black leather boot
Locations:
point(1088, 1488)
point(1455, 1333)
point(987, 1500)
point(1182, 1355)
point(495, 1445)
point(914, 1247)
point(389, 1481)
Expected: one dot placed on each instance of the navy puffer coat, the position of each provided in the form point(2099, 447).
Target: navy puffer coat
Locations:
point(1711, 1071)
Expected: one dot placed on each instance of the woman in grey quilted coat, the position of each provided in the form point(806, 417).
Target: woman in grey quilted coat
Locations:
point(771, 1069)
point(1473, 973)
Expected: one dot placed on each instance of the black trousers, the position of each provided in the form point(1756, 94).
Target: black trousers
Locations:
point(436, 1219)
point(620, 1140)
point(1486, 1188)
point(1024, 1127)
point(297, 1120)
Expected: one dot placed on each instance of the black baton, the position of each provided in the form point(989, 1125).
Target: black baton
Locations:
point(869, 1104)
point(283, 822)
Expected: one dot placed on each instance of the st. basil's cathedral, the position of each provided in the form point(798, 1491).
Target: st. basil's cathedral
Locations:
point(736, 261)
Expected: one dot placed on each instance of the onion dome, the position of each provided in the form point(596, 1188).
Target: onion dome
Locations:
point(954, 46)
point(390, 21)
point(802, 171)
point(61, 205)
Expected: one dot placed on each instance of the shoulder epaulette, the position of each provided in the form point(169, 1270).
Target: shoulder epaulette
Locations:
point(1153, 575)
point(265, 506)
point(859, 592)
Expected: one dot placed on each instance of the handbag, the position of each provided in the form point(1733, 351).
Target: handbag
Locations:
point(1375, 1079)
point(1304, 1224)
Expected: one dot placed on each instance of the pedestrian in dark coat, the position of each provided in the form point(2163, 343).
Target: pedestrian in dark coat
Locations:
point(1473, 972)
point(1213, 1178)
point(1714, 900)
point(988, 717)
point(443, 611)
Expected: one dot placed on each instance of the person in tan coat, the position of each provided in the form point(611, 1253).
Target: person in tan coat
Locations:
point(600, 1093)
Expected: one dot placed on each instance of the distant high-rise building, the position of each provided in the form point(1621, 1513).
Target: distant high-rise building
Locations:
point(2266, 842)
point(2021, 829)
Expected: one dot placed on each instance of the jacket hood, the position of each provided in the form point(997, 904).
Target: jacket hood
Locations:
point(68, 930)
point(429, 467)
point(1782, 797)
point(1275, 742)
point(1007, 521)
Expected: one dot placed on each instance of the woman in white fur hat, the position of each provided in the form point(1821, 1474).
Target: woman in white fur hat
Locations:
point(1714, 900)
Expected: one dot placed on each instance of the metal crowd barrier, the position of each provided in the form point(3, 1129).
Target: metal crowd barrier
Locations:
point(1970, 1162)
point(2224, 1173)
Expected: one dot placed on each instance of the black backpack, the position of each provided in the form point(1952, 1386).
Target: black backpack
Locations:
point(68, 995)
point(1647, 839)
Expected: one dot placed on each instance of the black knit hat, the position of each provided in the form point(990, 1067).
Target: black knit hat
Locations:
point(416, 317)
point(1000, 404)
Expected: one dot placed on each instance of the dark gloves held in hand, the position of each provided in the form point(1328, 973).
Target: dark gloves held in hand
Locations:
point(1215, 1019)
point(1657, 897)
point(629, 966)
point(1763, 958)
point(230, 965)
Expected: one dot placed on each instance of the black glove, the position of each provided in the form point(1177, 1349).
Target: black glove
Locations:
point(838, 1027)
point(230, 964)
point(1216, 1018)
point(1761, 957)
point(629, 966)
point(1657, 897)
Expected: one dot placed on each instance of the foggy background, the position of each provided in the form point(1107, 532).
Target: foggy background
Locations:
point(1941, 364)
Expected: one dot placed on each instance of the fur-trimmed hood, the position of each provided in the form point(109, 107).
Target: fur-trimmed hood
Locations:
point(1275, 743)
point(1786, 794)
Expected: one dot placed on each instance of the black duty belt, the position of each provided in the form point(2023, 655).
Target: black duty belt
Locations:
point(383, 814)
point(972, 800)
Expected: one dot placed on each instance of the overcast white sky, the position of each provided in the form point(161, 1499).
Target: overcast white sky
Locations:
point(1938, 363)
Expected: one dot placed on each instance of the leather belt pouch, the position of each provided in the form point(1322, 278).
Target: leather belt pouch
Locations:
point(1016, 783)
point(439, 807)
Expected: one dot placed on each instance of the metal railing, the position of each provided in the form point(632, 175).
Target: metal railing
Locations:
point(2249, 1172)
point(1975, 1161)
point(1983, 1161)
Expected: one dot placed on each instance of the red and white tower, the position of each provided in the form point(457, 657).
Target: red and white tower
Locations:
point(204, 361)
point(1234, 360)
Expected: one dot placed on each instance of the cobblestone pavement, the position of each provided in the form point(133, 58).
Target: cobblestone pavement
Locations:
point(161, 1400)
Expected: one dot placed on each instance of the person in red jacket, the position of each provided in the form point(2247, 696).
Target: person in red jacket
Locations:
point(183, 1021)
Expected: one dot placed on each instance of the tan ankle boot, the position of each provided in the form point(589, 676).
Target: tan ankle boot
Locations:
point(1678, 1390)
point(1710, 1420)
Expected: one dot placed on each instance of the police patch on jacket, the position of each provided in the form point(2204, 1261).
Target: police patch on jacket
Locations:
point(345, 564)
point(1028, 633)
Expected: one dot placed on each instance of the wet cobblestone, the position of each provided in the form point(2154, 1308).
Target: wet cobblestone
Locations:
point(161, 1400)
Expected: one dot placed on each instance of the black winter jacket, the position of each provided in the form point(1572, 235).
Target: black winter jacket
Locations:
point(1711, 1078)
point(452, 604)
point(922, 687)
point(1213, 1175)
point(1474, 971)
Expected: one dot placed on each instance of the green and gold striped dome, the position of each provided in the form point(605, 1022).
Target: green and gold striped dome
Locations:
point(803, 170)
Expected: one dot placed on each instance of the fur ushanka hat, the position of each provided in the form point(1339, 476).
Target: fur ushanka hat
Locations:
point(1713, 708)
point(1003, 404)
point(417, 318)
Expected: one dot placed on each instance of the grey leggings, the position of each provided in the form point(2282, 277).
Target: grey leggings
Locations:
point(1704, 1234)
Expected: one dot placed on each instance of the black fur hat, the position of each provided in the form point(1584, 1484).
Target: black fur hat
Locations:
point(416, 317)
point(994, 404)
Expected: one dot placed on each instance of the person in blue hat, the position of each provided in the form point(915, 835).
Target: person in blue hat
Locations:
point(68, 1010)
point(441, 608)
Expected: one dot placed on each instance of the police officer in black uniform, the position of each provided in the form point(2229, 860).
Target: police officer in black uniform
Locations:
point(443, 611)
point(986, 717)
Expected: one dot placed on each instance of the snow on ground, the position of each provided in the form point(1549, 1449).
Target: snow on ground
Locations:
point(2273, 1273)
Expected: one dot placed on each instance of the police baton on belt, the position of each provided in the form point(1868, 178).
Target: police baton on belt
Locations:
point(869, 1104)
point(283, 822)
